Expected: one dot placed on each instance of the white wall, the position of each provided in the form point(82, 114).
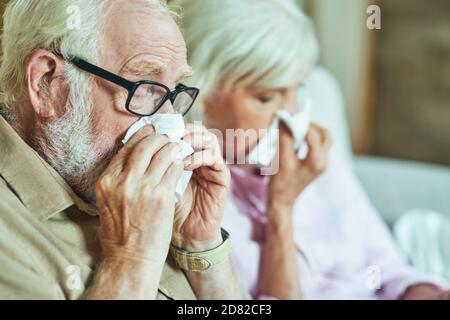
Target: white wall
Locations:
point(345, 43)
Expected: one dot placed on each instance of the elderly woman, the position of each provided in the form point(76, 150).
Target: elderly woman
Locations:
point(293, 233)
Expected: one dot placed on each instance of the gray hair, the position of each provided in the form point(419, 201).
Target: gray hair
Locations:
point(35, 24)
point(261, 43)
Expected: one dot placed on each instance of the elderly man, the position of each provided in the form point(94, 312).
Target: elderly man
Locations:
point(81, 215)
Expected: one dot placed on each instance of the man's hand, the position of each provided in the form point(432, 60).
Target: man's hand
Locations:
point(135, 199)
point(198, 218)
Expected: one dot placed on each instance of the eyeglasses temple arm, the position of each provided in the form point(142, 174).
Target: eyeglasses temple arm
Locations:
point(102, 73)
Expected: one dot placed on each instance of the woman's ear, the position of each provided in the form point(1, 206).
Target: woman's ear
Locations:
point(46, 88)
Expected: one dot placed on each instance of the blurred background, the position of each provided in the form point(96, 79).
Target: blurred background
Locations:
point(396, 81)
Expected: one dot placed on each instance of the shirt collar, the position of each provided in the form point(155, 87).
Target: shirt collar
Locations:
point(39, 187)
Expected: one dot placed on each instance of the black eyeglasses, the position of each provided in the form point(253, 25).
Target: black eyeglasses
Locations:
point(145, 97)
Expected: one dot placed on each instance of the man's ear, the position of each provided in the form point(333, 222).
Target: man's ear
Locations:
point(45, 84)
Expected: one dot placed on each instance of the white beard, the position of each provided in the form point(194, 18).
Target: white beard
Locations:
point(67, 145)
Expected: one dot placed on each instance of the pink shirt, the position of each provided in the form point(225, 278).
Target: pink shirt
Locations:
point(344, 250)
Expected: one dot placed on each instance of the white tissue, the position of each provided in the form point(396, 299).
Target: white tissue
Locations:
point(264, 152)
point(171, 125)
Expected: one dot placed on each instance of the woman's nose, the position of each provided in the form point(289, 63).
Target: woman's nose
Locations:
point(291, 105)
point(291, 101)
point(292, 108)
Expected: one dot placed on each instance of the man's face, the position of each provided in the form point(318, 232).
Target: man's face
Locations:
point(141, 42)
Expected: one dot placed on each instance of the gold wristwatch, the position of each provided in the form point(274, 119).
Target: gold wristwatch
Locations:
point(201, 261)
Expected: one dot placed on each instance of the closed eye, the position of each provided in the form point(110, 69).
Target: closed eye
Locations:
point(266, 99)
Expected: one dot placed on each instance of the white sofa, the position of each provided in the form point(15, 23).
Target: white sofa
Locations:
point(394, 186)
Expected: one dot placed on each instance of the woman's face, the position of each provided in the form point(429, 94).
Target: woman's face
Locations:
point(249, 109)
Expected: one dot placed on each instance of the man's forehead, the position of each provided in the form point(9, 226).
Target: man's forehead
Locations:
point(145, 66)
point(147, 31)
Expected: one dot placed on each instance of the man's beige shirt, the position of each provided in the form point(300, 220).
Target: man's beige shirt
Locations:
point(49, 247)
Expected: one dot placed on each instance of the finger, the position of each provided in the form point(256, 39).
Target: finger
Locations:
point(287, 145)
point(172, 175)
point(145, 131)
point(118, 162)
point(313, 139)
point(161, 161)
point(317, 158)
point(200, 140)
point(206, 142)
point(325, 135)
point(203, 158)
point(142, 154)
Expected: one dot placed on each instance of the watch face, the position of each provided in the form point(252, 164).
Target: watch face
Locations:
point(190, 263)
point(198, 264)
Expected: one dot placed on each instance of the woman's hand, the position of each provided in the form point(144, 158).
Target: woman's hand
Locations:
point(425, 291)
point(198, 218)
point(279, 275)
point(295, 175)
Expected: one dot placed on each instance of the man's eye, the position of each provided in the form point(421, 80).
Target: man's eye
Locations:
point(151, 89)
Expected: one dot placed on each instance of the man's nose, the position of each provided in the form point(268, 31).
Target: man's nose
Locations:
point(167, 108)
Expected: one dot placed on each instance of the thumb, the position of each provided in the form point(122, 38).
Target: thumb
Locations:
point(287, 142)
